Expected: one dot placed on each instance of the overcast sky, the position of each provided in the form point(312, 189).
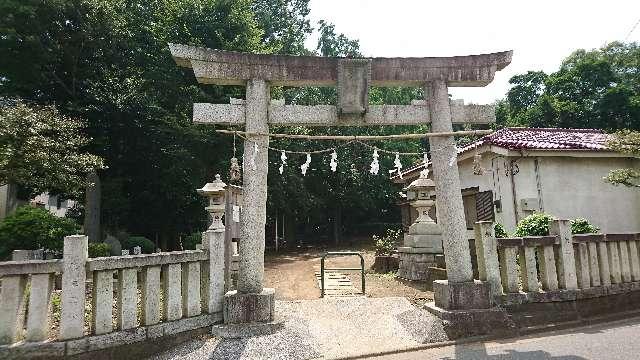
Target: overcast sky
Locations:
point(541, 33)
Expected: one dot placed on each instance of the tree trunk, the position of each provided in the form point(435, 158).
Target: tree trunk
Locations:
point(290, 230)
point(93, 198)
point(337, 225)
point(9, 201)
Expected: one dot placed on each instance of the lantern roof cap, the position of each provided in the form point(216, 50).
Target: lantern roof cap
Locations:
point(214, 187)
point(422, 182)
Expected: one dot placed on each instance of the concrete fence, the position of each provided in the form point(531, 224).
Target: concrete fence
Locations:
point(557, 267)
point(127, 298)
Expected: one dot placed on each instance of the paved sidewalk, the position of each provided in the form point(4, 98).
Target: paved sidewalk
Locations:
point(326, 328)
point(615, 340)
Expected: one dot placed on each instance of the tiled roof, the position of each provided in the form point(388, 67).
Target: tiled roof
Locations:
point(543, 139)
point(536, 139)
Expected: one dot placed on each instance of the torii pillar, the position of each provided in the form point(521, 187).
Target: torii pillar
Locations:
point(352, 77)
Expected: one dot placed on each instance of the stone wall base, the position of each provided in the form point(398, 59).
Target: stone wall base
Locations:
point(533, 310)
point(248, 308)
point(462, 296)
point(137, 343)
point(464, 323)
point(525, 313)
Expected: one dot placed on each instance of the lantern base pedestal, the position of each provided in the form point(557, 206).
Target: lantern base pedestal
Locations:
point(242, 308)
point(417, 264)
point(418, 255)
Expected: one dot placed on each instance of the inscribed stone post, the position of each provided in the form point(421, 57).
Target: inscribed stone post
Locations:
point(255, 167)
point(447, 179)
point(73, 282)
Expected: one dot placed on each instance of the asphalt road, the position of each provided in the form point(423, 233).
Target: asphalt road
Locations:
point(618, 340)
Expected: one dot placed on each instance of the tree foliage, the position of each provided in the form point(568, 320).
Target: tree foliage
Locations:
point(108, 62)
point(626, 142)
point(285, 25)
point(43, 150)
point(31, 228)
point(592, 89)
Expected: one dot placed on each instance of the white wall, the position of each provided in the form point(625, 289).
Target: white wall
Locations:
point(570, 186)
point(493, 179)
point(50, 202)
point(573, 187)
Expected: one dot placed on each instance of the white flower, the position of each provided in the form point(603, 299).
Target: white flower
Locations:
point(283, 158)
point(375, 165)
point(334, 163)
point(305, 166)
point(398, 165)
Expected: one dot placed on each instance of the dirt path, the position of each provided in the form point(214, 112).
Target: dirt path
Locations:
point(292, 275)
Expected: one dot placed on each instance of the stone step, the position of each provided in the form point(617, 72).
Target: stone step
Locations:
point(337, 285)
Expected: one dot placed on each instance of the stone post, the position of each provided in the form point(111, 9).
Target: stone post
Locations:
point(254, 182)
point(251, 302)
point(459, 291)
point(567, 261)
point(93, 199)
point(447, 179)
point(213, 271)
point(12, 308)
point(74, 258)
point(127, 298)
point(39, 306)
point(487, 252)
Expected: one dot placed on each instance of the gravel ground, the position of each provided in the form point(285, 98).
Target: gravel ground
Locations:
point(326, 328)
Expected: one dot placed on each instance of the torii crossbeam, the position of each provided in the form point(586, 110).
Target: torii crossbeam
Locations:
point(353, 78)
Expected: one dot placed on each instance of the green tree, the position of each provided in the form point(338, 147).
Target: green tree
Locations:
point(626, 142)
point(42, 150)
point(108, 62)
point(285, 25)
point(592, 89)
point(30, 228)
point(332, 44)
point(523, 96)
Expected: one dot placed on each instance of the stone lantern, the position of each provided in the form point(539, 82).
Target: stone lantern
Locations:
point(215, 191)
point(419, 192)
point(424, 238)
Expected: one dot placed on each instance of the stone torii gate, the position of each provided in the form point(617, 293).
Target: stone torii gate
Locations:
point(353, 77)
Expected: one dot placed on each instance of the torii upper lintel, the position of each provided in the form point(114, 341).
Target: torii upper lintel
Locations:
point(235, 68)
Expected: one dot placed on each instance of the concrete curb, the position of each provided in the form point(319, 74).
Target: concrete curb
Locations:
point(577, 324)
point(468, 340)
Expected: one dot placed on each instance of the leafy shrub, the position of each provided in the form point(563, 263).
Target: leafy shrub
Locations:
point(145, 244)
point(536, 224)
point(99, 250)
point(189, 242)
point(583, 226)
point(31, 228)
point(499, 230)
point(386, 243)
